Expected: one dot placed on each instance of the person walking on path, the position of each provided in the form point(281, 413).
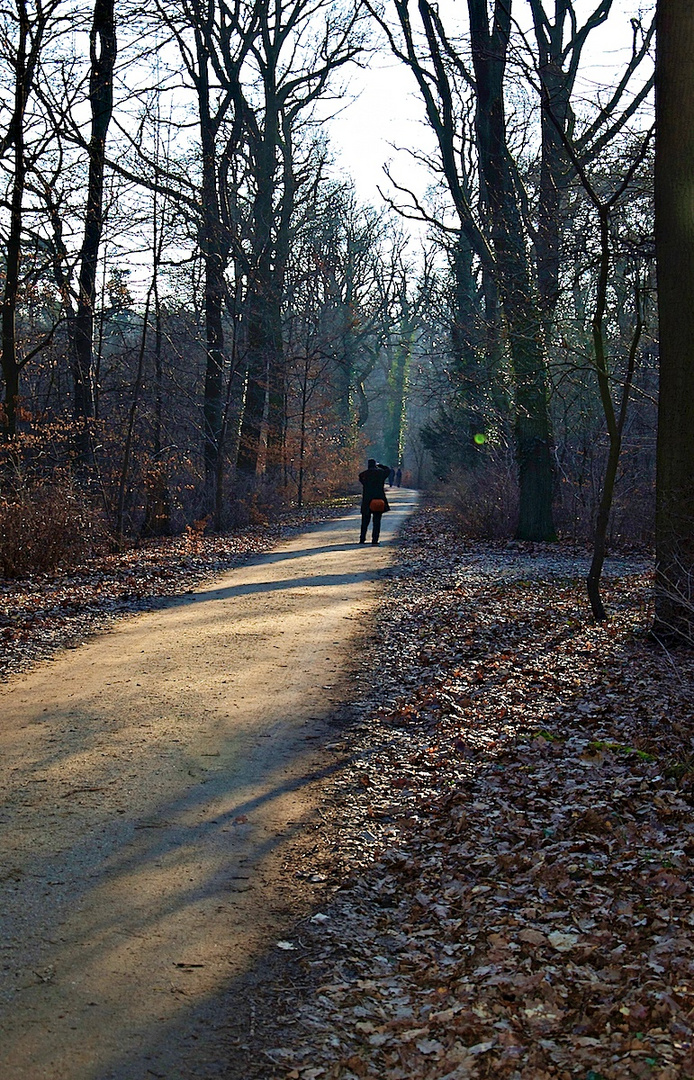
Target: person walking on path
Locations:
point(373, 500)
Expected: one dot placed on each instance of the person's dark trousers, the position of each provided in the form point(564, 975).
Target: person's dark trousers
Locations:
point(375, 532)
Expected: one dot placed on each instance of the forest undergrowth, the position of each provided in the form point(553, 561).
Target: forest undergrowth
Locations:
point(514, 832)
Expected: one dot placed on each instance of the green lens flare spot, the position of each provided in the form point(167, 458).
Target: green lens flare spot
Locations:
point(480, 439)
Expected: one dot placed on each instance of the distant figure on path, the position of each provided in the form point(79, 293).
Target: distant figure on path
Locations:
point(373, 500)
point(398, 477)
point(391, 477)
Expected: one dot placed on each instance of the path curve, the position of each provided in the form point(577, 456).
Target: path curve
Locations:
point(151, 781)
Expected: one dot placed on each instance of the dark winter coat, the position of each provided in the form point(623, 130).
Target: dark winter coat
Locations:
point(372, 481)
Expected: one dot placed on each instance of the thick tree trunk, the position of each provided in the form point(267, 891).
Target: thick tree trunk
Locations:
point(557, 72)
point(277, 402)
point(259, 317)
point(11, 366)
point(464, 315)
point(554, 177)
point(265, 382)
point(103, 58)
point(535, 470)
point(213, 403)
point(532, 430)
point(215, 253)
point(674, 209)
point(256, 385)
point(475, 355)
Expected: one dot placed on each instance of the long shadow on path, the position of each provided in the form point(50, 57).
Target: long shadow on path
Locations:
point(157, 784)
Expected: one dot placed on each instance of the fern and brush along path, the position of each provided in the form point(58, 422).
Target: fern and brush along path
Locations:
point(155, 781)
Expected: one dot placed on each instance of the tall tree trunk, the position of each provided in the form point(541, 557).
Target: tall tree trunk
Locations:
point(554, 177)
point(254, 398)
point(215, 252)
point(277, 383)
point(277, 400)
point(130, 429)
point(674, 220)
point(532, 430)
point(265, 390)
point(557, 65)
point(158, 502)
point(463, 331)
point(213, 403)
point(102, 45)
point(351, 404)
point(263, 303)
point(11, 365)
point(473, 377)
point(393, 428)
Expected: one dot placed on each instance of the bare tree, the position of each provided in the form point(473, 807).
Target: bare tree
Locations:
point(102, 54)
point(560, 44)
point(300, 47)
point(435, 63)
point(32, 30)
point(203, 32)
point(490, 42)
point(568, 150)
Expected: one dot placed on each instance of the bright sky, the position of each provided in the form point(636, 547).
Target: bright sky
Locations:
point(387, 111)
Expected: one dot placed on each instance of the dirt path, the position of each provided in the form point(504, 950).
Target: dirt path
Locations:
point(154, 781)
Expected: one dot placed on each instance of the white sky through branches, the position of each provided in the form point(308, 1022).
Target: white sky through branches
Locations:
point(387, 110)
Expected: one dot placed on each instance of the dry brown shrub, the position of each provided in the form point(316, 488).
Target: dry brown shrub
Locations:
point(483, 501)
point(46, 527)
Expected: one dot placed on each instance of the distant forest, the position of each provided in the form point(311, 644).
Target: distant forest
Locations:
point(202, 322)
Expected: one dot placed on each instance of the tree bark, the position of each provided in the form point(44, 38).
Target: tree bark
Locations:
point(215, 254)
point(11, 365)
point(277, 388)
point(555, 172)
point(396, 389)
point(674, 220)
point(532, 429)
point(158, 505)
point(475, 355)
point(102, 43)
point(265, 368)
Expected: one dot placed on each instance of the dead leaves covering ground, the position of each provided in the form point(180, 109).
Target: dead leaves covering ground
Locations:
point(513, 832)
point(517, 827)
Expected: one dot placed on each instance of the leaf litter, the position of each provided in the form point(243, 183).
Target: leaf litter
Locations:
point(513, 832)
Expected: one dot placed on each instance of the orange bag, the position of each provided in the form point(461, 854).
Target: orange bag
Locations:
point(377, 506)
